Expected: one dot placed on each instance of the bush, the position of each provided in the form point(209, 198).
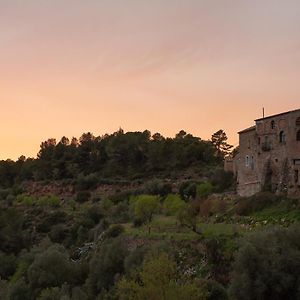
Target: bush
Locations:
point(267, 265)
point(144, 206)
point(51, 268)
point(87, 182)
point(222, 180)
point(157, 187)
point(114, 231)
point(58, 233)
point(7, 265)
point(246, 206)
point(173, 204)
point(204, 190)
point(51, 201)
point(106, 265)
point(83, 196)
point(188, 190)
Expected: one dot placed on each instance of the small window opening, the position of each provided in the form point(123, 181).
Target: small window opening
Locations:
point(273, 125)
point(296, 176)
point(298, 135)
point(298, 121)
point(247, 161)
point(282, 138)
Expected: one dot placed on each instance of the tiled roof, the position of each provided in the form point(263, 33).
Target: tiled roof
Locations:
point(247, 129)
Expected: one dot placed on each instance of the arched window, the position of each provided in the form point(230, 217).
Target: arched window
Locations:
point(298, 121)
point(281, 137)
point(273, 124)
point(247, 161)
point(298, 135)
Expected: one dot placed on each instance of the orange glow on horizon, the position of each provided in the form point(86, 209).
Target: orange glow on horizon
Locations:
point(69, 67)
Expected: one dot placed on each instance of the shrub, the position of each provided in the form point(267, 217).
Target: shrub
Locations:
point(267, 265)
point(222, 180)
point(51, 268)
point(173, 204)
point(58, 233)
point(19, 290)
point(52, 201)
point(114, 231)
point(246, 206)
point(157, 187)
point(7, 265)
point(105, 265)
point(83, 196)
point(187, 190)
point(87, 182)
point(144, 206)
point(204, 190)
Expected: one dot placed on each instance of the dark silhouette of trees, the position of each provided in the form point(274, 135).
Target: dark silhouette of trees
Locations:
point(219, 140)
point(118, 155)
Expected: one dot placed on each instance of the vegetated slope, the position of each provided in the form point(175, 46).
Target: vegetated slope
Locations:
point(179, 233)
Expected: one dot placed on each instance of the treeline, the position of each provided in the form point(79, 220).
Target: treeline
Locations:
point(119, 155)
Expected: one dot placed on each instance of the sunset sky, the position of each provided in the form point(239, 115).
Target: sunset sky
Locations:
point(70, 66)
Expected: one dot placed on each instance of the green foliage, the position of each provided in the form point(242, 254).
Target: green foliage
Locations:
point(222, 180)
point(188, 190)
point(157, 187)
point(144, 206)
point(158, 279)
point(204, 190)
point(246, 206)
point(104, 159)
point(173, 204)
point(49, 201)
point(267, 265)
point(26, 200)
point(51, 268)
point(83, 196)
point(19, 290)
point(219, 141)
point(114, 231)
point(8, 264)
point(106, 265)
point(188, 217)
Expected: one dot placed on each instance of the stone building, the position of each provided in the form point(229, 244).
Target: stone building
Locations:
point(269, 156)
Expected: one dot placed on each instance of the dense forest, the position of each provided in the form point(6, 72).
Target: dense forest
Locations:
point(117, 156)
point(132, 216)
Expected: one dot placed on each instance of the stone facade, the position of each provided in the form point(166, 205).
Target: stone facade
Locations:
point(269, 156)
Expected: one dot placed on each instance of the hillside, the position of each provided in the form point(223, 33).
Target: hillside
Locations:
point(158, 221)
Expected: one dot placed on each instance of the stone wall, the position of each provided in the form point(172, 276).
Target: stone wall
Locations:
point(269, 156)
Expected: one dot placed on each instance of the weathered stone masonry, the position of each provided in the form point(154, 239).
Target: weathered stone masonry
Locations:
point(269, 156)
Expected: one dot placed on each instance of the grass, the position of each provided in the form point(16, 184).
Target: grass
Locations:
point(167, 227)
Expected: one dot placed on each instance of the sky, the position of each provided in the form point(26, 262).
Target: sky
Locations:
point(73, 66)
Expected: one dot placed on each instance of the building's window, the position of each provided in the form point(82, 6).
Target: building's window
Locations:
point(298, 121)
point(273, 124)
point(298, 135)
point(296, 176)
point(258, 141)
point(282, 138)
point(249, 144)
point(252, 162)
point(247, 161)
point(297, 162)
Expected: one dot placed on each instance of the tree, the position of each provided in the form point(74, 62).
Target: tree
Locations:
point(106, 265)
point(51, 268)
point(144, 207)
point(267, 266)
point(158, 279)
point(219, 140)
point(188, 217)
